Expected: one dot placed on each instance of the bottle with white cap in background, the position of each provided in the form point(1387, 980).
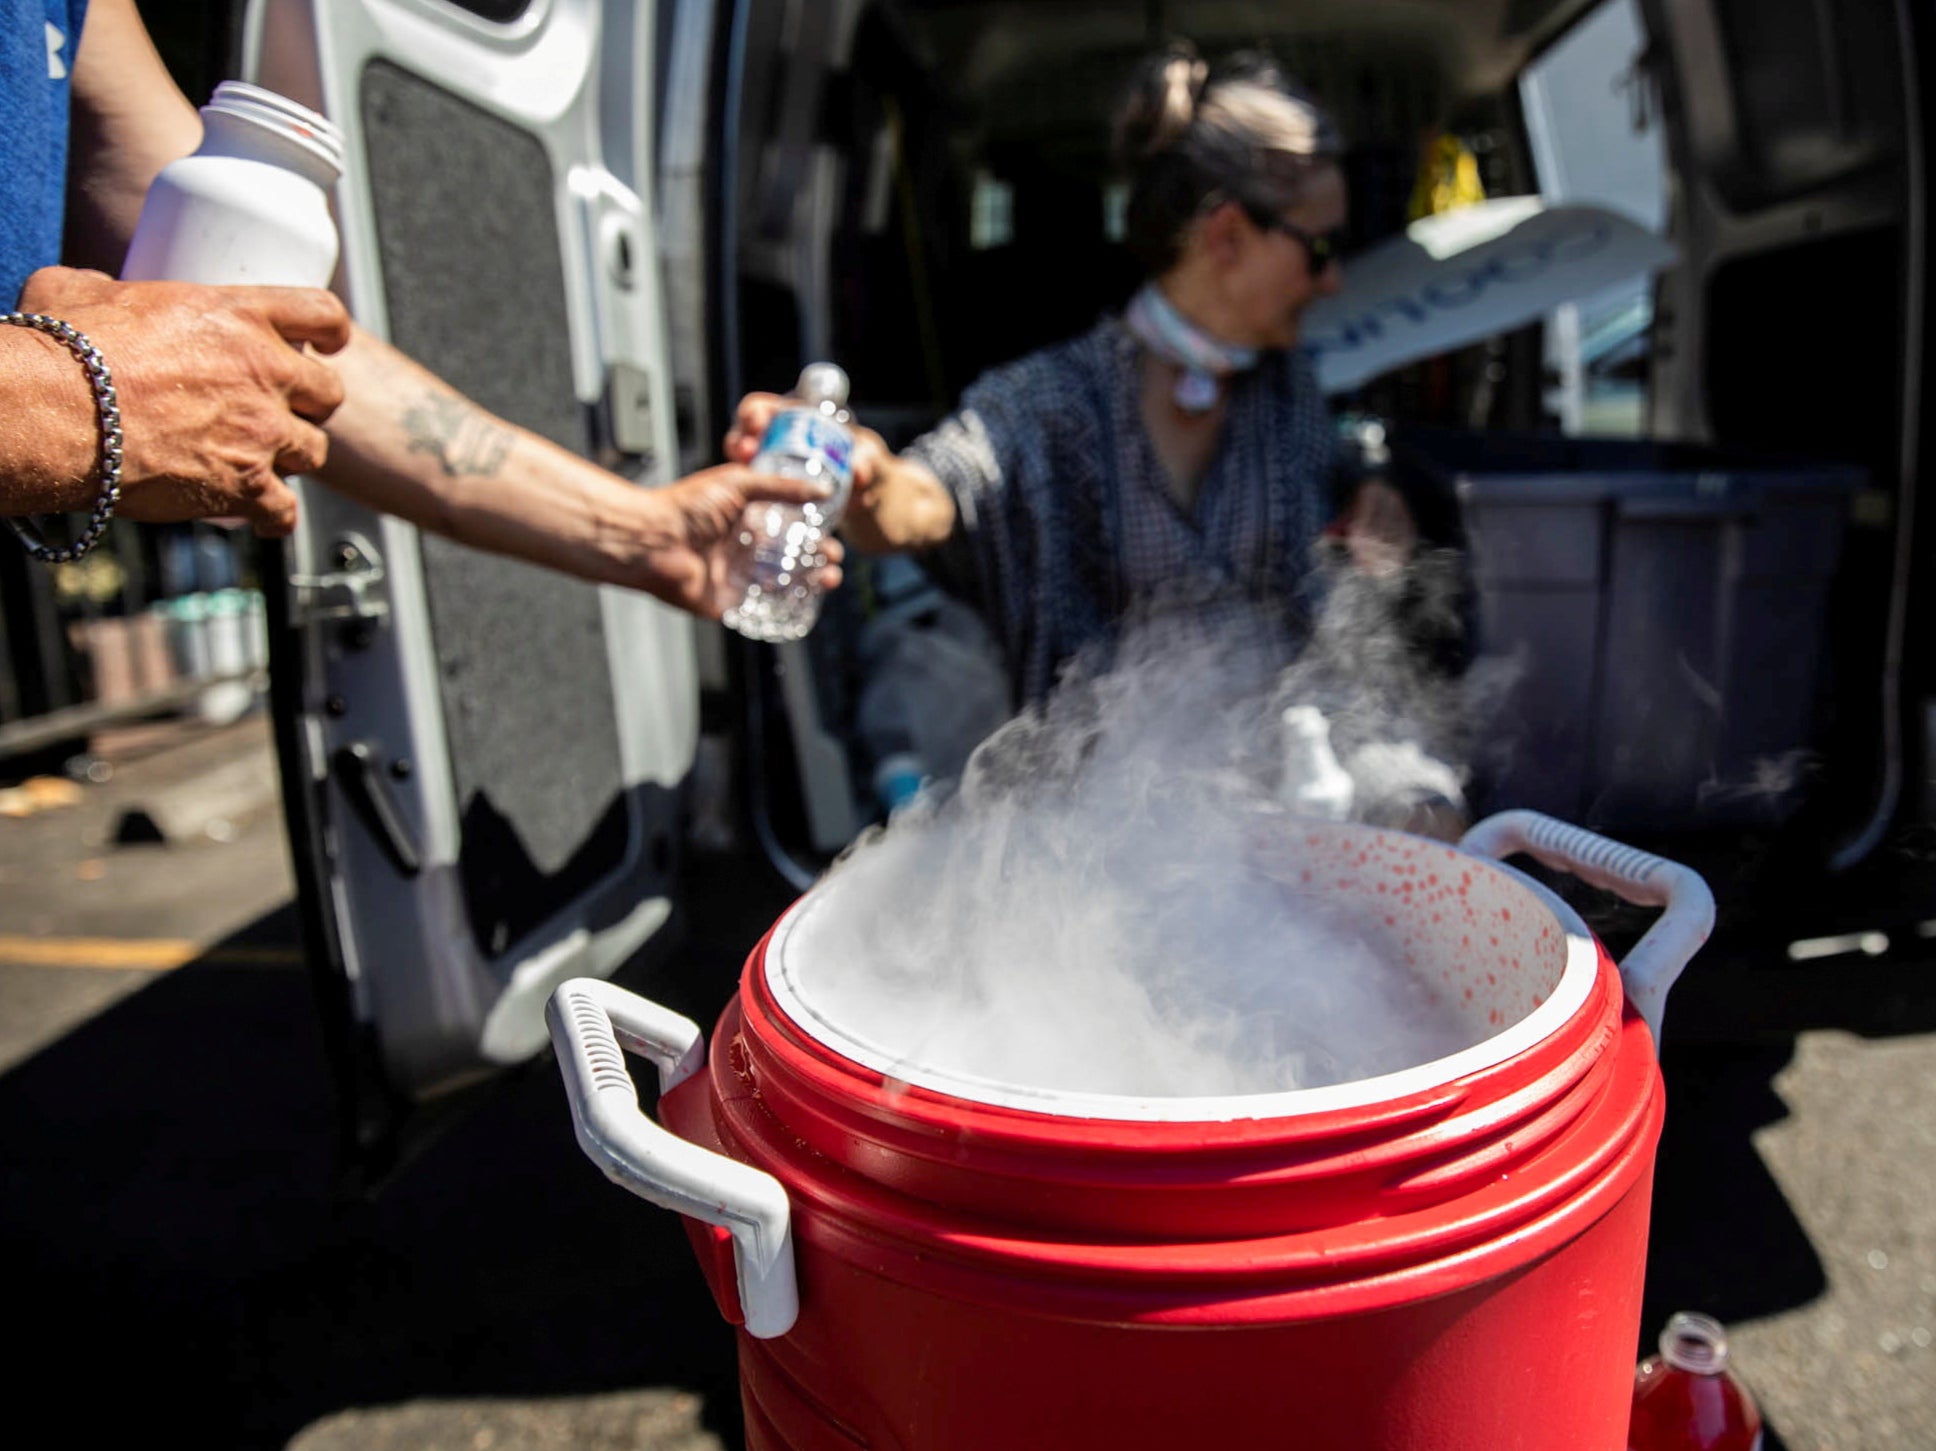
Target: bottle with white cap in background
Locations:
point(1313, 783)
point(1686, 1399)
point(251, 206)
point(778, 596)
point(898, 779)
point(226, 628)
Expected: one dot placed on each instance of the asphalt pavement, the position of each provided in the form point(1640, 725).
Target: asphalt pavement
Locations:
point(180, 1267)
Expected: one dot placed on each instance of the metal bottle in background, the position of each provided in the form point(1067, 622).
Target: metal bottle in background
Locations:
point(1686, 1398)
point(779, 599)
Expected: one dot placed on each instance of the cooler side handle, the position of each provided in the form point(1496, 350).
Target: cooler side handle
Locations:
point(590, 1019)
point(1655, 962)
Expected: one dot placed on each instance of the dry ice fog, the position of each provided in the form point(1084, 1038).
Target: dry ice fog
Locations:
point(1102, 903)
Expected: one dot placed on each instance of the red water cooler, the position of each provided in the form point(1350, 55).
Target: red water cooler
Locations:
point(1446, 1258)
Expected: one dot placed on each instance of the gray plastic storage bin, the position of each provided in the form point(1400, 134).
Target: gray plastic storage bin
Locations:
point(1667, 609)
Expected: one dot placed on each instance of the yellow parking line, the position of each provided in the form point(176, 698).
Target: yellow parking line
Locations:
point(134, 954)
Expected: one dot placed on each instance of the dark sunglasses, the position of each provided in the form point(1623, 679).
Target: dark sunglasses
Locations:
point(1324, 249)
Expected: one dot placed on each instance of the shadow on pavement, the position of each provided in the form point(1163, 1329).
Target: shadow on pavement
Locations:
point(1724, 1239)
point(176, 1263)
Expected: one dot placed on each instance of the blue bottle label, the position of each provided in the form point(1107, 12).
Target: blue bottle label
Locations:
point(803, 433)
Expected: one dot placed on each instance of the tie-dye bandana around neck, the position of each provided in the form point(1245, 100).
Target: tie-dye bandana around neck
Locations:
point(1174, 338)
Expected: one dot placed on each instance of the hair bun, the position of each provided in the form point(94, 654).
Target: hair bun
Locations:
point(1183, 78)
point(1162, 103)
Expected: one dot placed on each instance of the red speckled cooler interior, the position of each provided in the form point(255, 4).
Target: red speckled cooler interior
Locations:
point(1477, 937)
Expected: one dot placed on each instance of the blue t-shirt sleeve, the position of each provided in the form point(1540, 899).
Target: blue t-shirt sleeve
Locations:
point(38, 41)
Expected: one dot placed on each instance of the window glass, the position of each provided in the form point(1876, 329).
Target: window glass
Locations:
point(1596, 139)
point(1115, 211)
point(991, 218)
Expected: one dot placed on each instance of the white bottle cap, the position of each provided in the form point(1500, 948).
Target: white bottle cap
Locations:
point(1694, 1343)
point(1306, 723)
point(823, 382)
point(310, 136)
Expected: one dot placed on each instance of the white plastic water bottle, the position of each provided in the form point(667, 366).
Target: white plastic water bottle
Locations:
point(780, 599)
point(251, 205)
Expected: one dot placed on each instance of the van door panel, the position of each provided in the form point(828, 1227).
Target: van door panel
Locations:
point(528, 734)
point(518, 647)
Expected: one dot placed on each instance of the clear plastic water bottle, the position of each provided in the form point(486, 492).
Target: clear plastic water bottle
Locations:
point(780, 599)
point(1686, 1399)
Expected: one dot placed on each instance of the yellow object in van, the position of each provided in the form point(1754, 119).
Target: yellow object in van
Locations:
point(1448, 178)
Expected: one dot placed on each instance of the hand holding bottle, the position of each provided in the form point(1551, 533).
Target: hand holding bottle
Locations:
point(756, 412)
point(808, 436)
point(221, 291)
point(218, 400)
point(870, 461)
point(689, 552)
point(897, 504)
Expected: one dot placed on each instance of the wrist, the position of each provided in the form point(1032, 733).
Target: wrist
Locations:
point(628, 528)
point(50, 446)
point(919, 512)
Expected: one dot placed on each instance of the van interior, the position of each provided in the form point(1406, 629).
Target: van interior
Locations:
point(922, 189)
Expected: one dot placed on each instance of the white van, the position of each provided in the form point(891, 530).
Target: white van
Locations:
point(606, 219)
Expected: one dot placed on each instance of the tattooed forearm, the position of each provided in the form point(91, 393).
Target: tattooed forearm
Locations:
point(461, 439)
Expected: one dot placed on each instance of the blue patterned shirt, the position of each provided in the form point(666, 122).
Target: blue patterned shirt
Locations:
point(1066, 526)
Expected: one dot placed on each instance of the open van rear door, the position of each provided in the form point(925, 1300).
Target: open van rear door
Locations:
point(482, 760)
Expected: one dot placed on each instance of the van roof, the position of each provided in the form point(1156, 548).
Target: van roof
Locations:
point(1037, 67)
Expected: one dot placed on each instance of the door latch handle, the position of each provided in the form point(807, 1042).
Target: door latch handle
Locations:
point(356, 769)
point(352, 591)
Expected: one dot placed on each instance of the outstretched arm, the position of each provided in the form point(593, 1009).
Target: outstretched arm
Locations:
point(407, 443)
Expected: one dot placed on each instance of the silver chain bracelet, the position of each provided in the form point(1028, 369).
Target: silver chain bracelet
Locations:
point(109, 412)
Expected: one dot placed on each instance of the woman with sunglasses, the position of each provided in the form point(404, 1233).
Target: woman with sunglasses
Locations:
point(1179, 455)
